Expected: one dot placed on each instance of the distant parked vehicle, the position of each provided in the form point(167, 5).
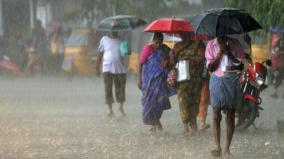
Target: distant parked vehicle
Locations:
point(77, 55)
point(8, 67)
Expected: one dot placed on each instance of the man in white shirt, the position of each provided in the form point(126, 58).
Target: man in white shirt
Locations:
point(112, 69)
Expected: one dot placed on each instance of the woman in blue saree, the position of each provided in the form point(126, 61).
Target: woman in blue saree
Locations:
point(153, 74)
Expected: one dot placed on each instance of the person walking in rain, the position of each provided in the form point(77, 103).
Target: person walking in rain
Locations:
point(113, 70)
point(188, 91)
point(224, 59)
point(204, 99)
point(152, 76)
point(40, 41)
point(277, 58)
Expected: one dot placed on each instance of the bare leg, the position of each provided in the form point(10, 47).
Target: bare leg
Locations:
point(110, 110)
point(217, 117)
point(274, 93)
point(193, 127)
point(204, 125)
point(282, 86)
point(186, 128)
point(230, 122)
point(108, 80)
point(159, 126)
point(121, 109)
point(203, 104)
point(153, 129)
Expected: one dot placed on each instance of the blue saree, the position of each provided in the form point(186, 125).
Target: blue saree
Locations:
point(155, 92)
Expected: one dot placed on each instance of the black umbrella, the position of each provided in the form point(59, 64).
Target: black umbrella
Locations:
point(223, 21)
point(120, 23)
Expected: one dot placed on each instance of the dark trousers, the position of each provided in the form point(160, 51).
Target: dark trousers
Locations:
point(119, 81)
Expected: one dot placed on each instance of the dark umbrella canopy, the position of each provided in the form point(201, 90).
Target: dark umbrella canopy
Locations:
point(120, 23)
point(223, 21)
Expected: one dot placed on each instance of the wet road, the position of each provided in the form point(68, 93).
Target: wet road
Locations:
point(48, 117)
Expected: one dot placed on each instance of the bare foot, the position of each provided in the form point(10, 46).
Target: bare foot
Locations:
point(204, 127)
point(110, 114)
point(122, 113)
point(159, 126)
point(228, 155)
point(185, 132)
point(193, 130)
point(216, 152)
point(121, 109)
point(194, 133)
point(153, 130)
point(186, 128)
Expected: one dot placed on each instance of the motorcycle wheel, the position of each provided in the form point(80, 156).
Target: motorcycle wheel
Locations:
point(251, 111)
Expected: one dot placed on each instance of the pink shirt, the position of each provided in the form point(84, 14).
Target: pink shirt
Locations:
point(213, 48)
point(145, 53)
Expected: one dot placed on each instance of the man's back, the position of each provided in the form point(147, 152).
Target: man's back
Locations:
point(111, 55)
point(110, 47)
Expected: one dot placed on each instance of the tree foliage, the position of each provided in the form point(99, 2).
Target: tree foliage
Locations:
point(266, 12)
point(150, 9)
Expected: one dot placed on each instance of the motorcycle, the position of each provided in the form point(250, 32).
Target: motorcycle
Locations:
point(252, 84)
point(8, 67)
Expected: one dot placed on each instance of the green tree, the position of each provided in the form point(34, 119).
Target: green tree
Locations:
point(150, 9)
point(266, 12)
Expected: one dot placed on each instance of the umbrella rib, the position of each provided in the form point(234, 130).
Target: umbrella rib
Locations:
point(171, 24)
point(198, 26)
point(217, 25)
point(224, 21)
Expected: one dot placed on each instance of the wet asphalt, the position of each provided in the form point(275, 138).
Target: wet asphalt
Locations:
point(49, 117)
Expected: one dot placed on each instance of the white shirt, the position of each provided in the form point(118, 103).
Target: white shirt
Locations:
point(111, 58)
point(225, 62)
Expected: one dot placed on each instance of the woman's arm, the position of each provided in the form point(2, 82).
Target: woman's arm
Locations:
point(144, 55)
point(172, 58)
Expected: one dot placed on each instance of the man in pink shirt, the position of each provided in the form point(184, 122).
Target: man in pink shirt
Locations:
point(224, 59)
point(213, 52)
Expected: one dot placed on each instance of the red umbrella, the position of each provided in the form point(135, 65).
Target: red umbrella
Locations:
point(169, 25)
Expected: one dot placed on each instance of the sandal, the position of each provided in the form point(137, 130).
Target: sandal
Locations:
point(216, 153)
